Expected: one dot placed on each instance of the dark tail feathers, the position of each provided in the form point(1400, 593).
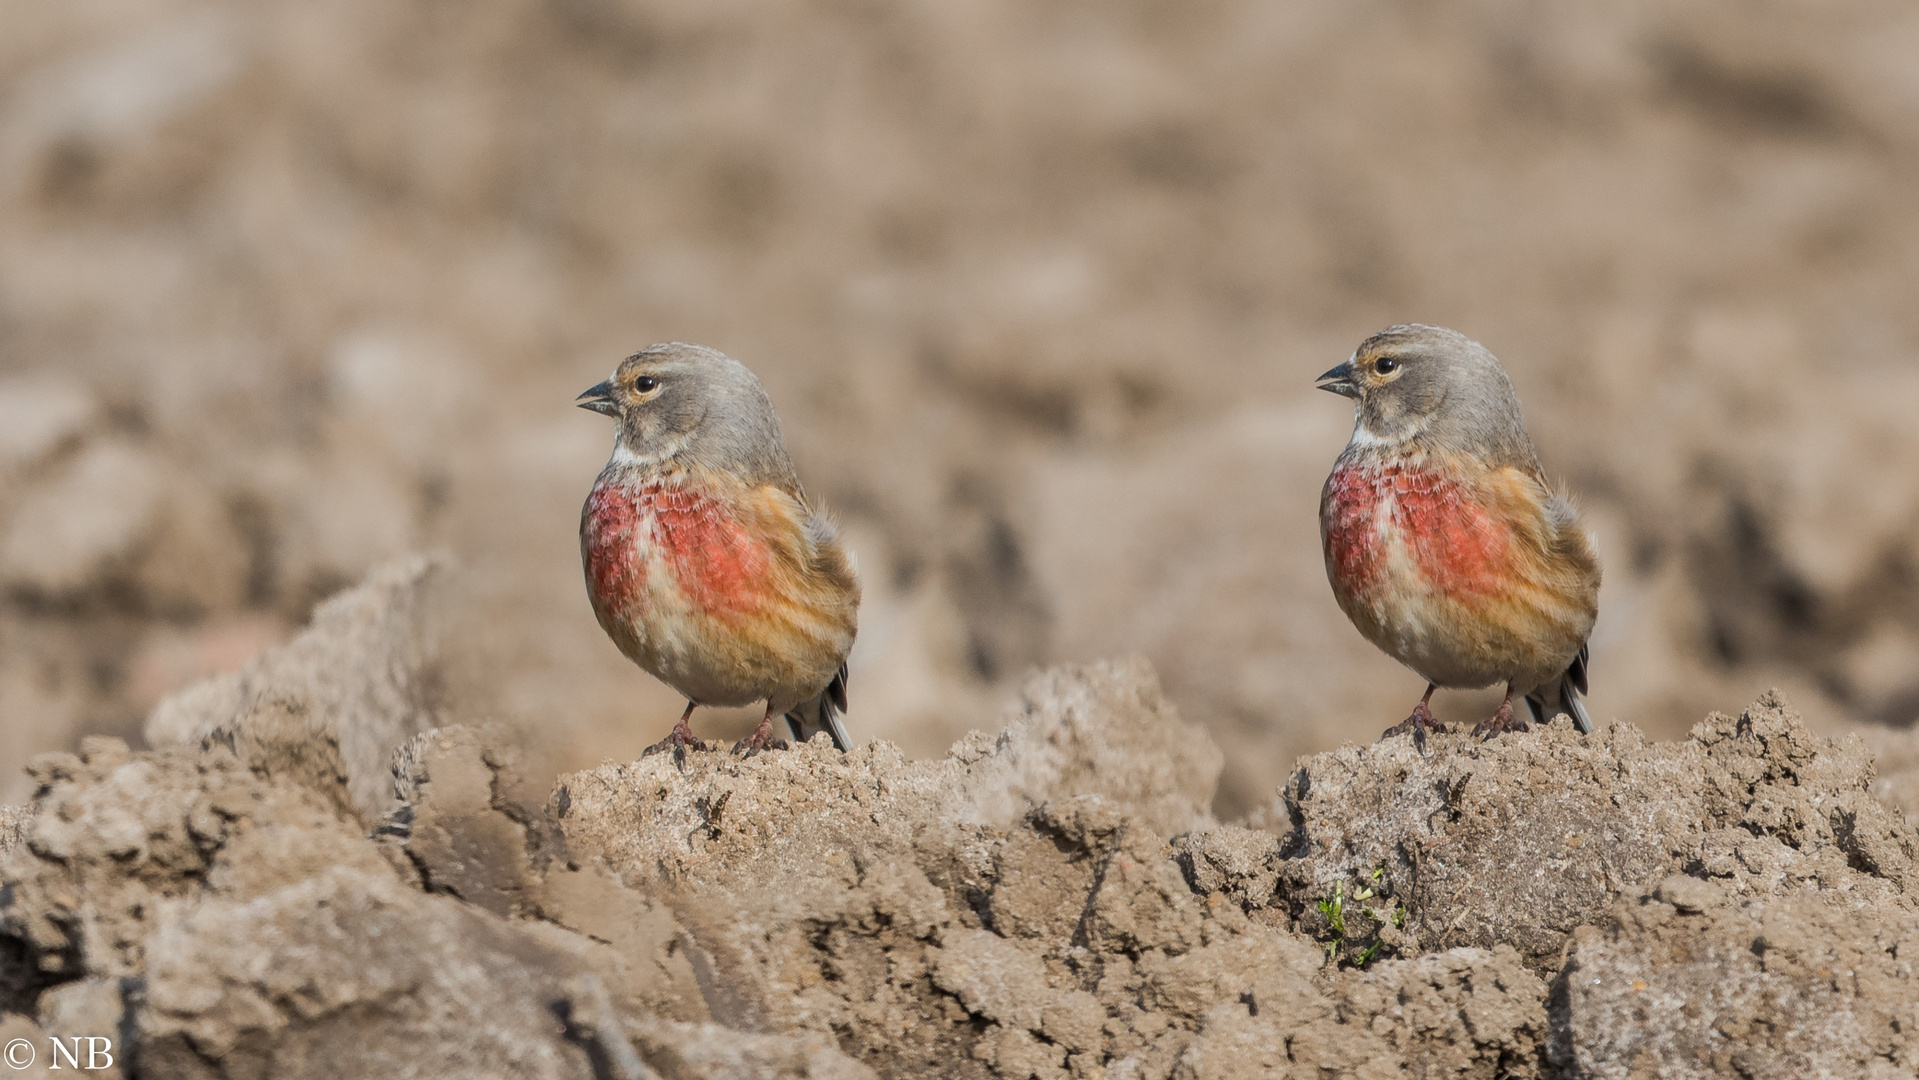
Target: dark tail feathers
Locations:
point(822, 713)
point(1562, 695)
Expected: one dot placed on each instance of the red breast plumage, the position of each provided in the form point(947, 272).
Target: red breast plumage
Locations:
point(1435, 563)
point(1380, 505)
point(705, 583)
point(645, 526)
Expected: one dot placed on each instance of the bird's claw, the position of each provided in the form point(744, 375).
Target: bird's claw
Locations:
point(761, 739)
point(750, 746)
point(1501, 721)
point(1419, 723)
point(679, 742)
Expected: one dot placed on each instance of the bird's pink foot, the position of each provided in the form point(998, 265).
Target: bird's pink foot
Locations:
point(1419, 723)
point(679, 740)
point(761, 739)
point(1501, 721)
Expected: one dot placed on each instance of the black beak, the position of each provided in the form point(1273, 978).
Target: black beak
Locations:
point(599, 398)
point(1340, 381)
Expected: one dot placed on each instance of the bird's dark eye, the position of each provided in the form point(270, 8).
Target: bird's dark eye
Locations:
point(645, 384)
point(1386, 365)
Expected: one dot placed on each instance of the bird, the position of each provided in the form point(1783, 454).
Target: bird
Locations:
point(1445, 543)
point(705, 561)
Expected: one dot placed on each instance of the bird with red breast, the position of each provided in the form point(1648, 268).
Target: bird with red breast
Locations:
point(1445, 543)
point(705, 562)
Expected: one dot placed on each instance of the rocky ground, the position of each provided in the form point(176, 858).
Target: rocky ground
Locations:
point(317, 873)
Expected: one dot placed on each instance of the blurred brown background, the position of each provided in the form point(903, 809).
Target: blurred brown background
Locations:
point(1040, 289)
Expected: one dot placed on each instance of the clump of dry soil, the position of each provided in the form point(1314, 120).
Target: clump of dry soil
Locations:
point(1052, 901)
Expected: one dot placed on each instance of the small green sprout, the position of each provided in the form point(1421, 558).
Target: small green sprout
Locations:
point(1335, 908)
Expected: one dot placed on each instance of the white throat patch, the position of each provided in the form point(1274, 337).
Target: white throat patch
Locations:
point(626, 456)
point(1364, 438)
point(623, 456)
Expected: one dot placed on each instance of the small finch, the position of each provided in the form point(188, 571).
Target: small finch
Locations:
point(705, 563)
point(1445, 544)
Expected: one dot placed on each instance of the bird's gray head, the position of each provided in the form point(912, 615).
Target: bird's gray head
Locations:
point(696, 405)
point(1434, 385)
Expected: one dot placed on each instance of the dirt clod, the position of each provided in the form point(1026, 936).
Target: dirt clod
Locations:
point(364, 676)
point(1521, 840)
point(1807, 984)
